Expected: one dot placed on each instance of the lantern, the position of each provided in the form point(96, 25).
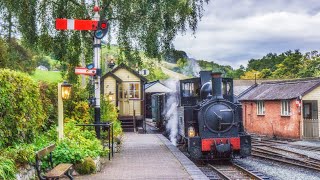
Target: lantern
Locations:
point(65, 90)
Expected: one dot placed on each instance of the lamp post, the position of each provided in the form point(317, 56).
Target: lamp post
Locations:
point(64, 92)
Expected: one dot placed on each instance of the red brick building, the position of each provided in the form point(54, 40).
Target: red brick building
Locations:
point(288, 109)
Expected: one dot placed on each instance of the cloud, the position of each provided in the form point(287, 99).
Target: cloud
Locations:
point(233, 32)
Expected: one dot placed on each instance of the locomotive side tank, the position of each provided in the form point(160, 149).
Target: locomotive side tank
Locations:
point(212, 126)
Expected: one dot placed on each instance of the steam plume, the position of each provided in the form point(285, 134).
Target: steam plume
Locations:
point(170, 111)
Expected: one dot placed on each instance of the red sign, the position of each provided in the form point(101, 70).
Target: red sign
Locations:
point(76, 24)
point(85, 71)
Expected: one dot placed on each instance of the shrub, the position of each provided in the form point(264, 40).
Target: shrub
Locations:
point(109, 114)
point(86, 167)
point(77, 145)
point(21, 111)
point(7, 169)
point(49, 98)
point(21, 154)
point(77, 106)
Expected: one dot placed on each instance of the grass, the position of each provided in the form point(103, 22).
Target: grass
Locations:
point(48, 76)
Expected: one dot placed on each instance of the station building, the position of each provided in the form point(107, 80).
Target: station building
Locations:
point(124, 87)
point(287, 109)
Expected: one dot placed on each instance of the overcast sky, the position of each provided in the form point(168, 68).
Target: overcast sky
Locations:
point(233, 31)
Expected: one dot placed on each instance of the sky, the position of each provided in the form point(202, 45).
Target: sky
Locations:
point(231, 32)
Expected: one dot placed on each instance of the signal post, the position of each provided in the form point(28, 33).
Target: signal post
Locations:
point(100, 28)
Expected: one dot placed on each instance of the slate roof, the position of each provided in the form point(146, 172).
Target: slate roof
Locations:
point(281, 89)
point(112, 75)
point(241, 86)
point(156, 86)
point(149, 84)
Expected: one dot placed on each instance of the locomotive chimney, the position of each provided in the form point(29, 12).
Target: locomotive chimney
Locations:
point(216, 85)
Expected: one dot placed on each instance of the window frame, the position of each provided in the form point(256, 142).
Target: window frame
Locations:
point(285, 108)
point(261, 110)
point(134, 90)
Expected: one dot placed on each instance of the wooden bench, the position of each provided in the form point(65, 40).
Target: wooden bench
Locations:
point(55, 172)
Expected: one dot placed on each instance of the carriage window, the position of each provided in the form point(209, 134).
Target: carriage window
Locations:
point(188, 90)
point(134, 90)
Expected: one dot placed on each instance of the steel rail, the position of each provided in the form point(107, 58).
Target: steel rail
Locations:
point(235, 169)
point(286, 160)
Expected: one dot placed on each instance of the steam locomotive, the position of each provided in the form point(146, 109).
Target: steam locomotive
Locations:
point(210, 118)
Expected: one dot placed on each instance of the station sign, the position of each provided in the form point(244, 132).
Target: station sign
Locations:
point(85, 71)
point(144, 72)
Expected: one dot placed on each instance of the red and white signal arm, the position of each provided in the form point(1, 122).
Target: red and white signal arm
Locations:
point(85, 71)
point(76, 24)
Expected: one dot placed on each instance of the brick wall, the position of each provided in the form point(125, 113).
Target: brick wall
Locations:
point(272, 123)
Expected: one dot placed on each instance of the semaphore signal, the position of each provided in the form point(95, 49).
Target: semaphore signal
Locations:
point(76, 24)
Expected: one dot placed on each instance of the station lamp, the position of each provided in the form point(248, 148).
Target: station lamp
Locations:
point(65, 90)
point(64, 93)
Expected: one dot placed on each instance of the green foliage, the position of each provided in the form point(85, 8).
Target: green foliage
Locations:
point(251, 75)
point(49, 98)
point(77, 106)
point(173, 56)
point(270, 61)
point(21, 154)
point(77, 145)
point(43, 61)
point(7, 168)
point(3, 53)
point(109, 113)
point(16, 57)
point(21, 111)
point(290, 66)
point(86, 167)
point(182, 62)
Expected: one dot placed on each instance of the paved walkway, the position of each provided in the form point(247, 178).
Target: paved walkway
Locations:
point(145, 156)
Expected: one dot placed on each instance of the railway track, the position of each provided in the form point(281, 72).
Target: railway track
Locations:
point(286, 156)
point(232, 171)
point(270, 142)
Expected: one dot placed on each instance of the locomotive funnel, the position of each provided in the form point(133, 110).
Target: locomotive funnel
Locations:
point(216, 85)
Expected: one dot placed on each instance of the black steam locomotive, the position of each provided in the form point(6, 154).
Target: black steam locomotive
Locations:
point(210, 118)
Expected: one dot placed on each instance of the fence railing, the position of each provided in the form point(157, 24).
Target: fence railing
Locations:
point(311, 128)
point(105, 127)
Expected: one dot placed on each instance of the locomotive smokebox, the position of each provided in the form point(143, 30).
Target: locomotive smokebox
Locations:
point(216, 85)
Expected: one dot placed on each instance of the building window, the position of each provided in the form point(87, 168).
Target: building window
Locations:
point(120, 92)
point(134, 91)
point(260, 108)
point(285, 108)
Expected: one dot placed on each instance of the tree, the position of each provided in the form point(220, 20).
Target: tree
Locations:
point(253, 74)
point(182, 62)
point(310, 65)
point(290, 67)
point(144, 25)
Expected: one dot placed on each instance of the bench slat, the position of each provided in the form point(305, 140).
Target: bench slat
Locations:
point(45, 151)
point(58, 170)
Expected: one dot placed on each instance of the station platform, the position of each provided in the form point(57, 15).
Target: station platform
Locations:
point(148, 156)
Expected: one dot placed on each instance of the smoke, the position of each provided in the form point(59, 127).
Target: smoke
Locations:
point(195, 67)
point(171, 110)
point(192, 68)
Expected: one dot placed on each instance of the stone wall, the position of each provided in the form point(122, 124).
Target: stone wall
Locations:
point(26, 173)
